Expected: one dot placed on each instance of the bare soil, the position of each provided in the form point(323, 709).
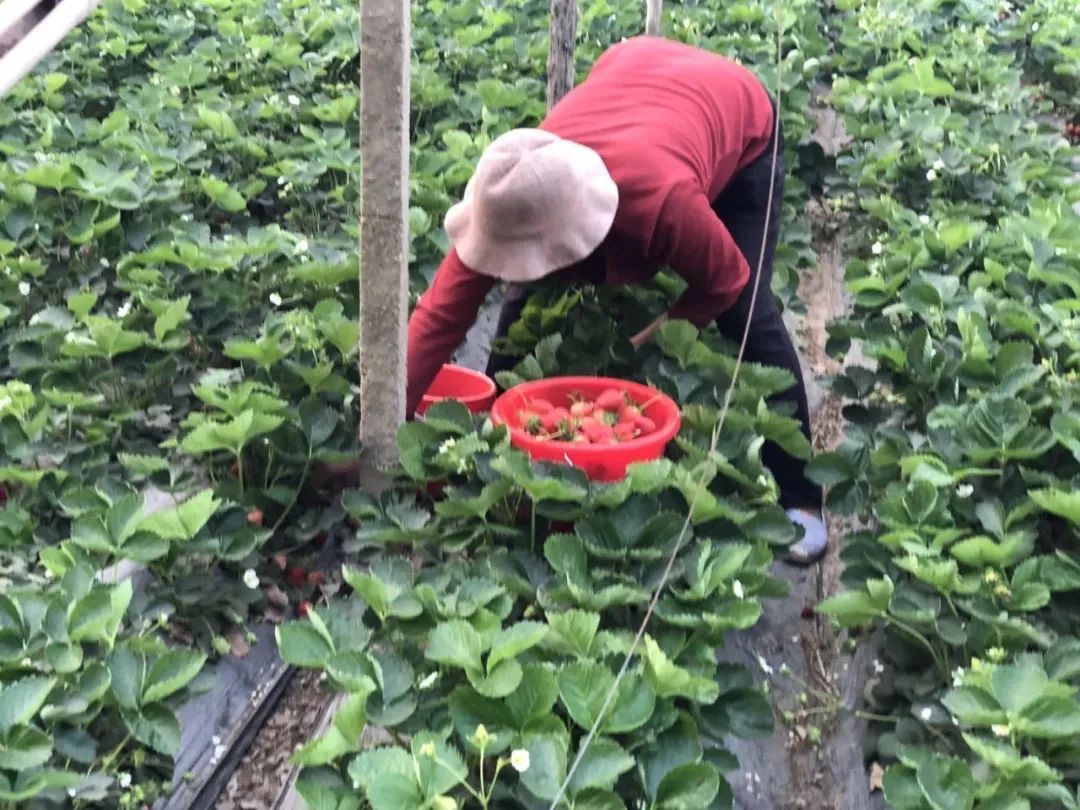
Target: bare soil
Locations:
point(265, 773)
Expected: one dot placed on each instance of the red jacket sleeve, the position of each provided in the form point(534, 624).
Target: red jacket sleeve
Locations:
point(442, 317)
point(692, 240)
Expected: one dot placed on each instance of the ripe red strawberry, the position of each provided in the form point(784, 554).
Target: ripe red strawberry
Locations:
point(553, 419)
point(645, 424)
point(541, 406)
point(304, 608)
point(320, 540)
point(316, 579)
point(610, 400)
point(629, 413)
point(296, 576)
point(255, 517)
point(3, 495)
point(625, 431)
point(581, 409)
point(599, 433)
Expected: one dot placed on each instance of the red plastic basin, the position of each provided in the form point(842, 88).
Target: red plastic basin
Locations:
point(471, 388)
point(599, 462)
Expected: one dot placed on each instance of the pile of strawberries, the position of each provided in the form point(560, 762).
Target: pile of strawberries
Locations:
point(611, 418)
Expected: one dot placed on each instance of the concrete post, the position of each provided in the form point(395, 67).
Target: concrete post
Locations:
point(384, 227)
point(560, 66)
point(653, 12)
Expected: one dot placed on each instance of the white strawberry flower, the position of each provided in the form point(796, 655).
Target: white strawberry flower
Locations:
point(1000, 730)
point(294, 100)
point(964, 491)
point(924, 219)
point(302, 246)
point(519, 760)
point(931, 175)
point(737, 589)
point(275, 299)
point(926, 714)
point(939, 165)
point(24, 288)
point(877, 248)
point(124, 779)
point(251, 579)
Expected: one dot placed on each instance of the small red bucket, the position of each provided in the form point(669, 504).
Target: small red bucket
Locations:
point(599, 462)
point(471, 388)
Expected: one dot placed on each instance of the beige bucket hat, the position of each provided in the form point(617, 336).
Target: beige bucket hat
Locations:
point(536, 204)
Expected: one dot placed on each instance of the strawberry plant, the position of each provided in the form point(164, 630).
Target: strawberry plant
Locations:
point(960, 446)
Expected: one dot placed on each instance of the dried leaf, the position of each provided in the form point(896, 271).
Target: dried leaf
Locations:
point(238, 645)
point(877, 773)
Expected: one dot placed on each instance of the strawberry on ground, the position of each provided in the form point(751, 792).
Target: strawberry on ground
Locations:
point(296, 576)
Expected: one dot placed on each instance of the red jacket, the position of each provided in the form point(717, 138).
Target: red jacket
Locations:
point(673, 124)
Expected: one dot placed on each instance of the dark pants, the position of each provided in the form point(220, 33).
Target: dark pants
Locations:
point(741, 206)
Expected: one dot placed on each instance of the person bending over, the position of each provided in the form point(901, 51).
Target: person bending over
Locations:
point(662, 157)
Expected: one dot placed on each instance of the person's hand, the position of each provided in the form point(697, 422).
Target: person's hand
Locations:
point(647, 334)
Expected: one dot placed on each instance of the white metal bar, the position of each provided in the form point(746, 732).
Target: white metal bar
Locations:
point(12, 11)
point(39, 42)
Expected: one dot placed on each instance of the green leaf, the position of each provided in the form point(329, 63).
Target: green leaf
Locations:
point(174, 314)
point(547, 766)
point(440, 773)
point(534, 696)
point(21, 700)
point(218, 122)
point(946, 783)
point(127, 671)
point(1050, 717)
point(514, 640)
point(343, 737)
point(455, 644)
point(851, 608)
point(1059, 502)
point(223, 194)
point(371, 763)
point(186, 520)
point(688, 787)
point(499, 682)
point(572, 632)
point(583, 687)
point(670, 680)
point(171, 673)
point(601, 766)
point(97, 616)
point(230, 435)
point(974, 707)
point(1014, 686)
point(394, 791)
point(157, 727)
point(25, 748)
point(302, 645)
